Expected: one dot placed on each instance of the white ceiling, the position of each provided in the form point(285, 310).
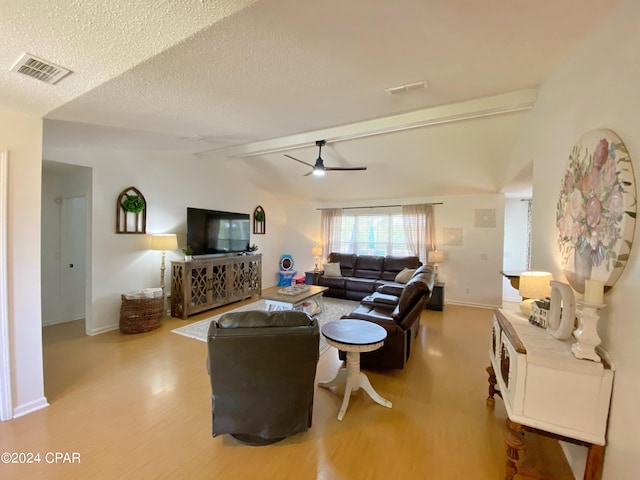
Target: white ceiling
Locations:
point(198, 75)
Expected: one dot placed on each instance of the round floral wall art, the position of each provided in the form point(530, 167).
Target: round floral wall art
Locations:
point(596, 210)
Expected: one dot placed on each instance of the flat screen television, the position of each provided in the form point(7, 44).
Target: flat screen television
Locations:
point(212, 232)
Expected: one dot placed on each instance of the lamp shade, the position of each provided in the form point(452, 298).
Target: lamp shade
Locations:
point(435, 256)
point(164, 242)
point(316, 251)
point(535, 284)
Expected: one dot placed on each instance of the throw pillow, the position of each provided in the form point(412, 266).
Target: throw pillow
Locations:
point(405, 275)
point(331, 269)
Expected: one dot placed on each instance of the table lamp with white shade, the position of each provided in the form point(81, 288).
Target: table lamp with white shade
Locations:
point(533, 286)
point(435, 257)
point(162, 243)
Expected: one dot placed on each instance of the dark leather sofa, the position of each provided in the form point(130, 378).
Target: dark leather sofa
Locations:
point(262, 368)
point(398, 315)
point(362, 275)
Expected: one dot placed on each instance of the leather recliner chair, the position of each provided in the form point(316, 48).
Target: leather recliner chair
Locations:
point(399, 316)
point(262, 369)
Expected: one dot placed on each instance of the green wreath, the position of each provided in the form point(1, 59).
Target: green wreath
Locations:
point(133, 204)
point(259, 216)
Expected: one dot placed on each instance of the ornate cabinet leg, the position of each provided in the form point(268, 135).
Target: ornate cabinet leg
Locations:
point(514, 443)
point(492, 386)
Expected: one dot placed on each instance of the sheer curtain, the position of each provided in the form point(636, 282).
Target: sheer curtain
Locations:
point(330, 230)
point(419, 229)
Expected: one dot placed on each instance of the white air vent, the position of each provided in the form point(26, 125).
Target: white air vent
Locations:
point(40, 69)
point(200, 138)
point(406, 88)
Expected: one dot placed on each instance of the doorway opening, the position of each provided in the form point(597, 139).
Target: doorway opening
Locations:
point(65, 244)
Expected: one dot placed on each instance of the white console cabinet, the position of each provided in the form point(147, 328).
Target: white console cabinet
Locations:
point(548, 390)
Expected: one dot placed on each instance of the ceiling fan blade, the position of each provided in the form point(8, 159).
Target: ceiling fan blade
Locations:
point(300, 161)
point(345, 168)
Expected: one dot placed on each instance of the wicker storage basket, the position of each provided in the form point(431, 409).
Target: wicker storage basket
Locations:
point(140, 314)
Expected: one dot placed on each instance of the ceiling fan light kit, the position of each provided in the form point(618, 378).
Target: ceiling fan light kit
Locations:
point(318, 169)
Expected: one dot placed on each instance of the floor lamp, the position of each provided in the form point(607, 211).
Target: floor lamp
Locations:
point(163, 242)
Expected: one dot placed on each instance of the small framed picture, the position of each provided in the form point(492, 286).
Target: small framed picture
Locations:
point(539, 315)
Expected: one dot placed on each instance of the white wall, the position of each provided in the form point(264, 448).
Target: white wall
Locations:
point(21, 135)
point(471, 271)
point(170, 182)
point(303, 232)
point(596, 88)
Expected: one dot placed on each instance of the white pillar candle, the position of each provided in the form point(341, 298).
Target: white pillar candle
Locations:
point(594, 291)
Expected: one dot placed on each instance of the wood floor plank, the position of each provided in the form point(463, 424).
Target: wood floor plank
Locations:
point(138, 406)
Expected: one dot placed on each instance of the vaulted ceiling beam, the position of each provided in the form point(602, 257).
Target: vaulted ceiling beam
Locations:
point(455, 112)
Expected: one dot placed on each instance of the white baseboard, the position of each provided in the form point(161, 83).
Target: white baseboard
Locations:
point(58, 322)
point(98, 331)
point(471, 304)
point(30, 407)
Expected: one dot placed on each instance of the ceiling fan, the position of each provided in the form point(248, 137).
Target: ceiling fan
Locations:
point(319, 169)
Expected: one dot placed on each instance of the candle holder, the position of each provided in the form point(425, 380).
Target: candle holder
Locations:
point(587, 332)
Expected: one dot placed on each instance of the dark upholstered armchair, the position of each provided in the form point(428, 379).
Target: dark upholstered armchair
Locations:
point(262, 368)
point(399, 316)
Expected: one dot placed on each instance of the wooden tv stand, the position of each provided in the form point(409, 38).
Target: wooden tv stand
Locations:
point(200, 285)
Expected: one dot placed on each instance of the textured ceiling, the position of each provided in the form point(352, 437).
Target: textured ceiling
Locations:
point(97, 39)
point(200, 75)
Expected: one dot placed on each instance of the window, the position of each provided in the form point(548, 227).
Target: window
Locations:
point(406, 230)
point(373, 234)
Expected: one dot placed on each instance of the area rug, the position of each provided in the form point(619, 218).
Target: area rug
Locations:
point(334, 308)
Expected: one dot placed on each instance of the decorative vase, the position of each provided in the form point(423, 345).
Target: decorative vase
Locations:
point(188, 258)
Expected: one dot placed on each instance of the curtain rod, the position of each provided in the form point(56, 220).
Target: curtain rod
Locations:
point(380, 206)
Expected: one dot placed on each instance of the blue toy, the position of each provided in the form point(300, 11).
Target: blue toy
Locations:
point(287, 273)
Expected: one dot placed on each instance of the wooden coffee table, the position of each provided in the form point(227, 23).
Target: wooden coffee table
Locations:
point(353, 337)
point(309, 301)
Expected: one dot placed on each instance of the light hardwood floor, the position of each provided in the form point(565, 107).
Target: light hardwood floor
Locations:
point(138, 406)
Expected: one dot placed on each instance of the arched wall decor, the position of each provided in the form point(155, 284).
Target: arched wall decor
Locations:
point(131, 212)
point(259, 221)
point(596, 211)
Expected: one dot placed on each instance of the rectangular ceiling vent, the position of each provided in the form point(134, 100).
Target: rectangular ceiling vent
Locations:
point(40, 69)
point(410, 87)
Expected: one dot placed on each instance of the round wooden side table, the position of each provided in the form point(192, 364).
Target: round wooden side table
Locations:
point(353, 337)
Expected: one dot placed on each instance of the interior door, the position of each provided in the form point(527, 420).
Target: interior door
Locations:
point(73, 257)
